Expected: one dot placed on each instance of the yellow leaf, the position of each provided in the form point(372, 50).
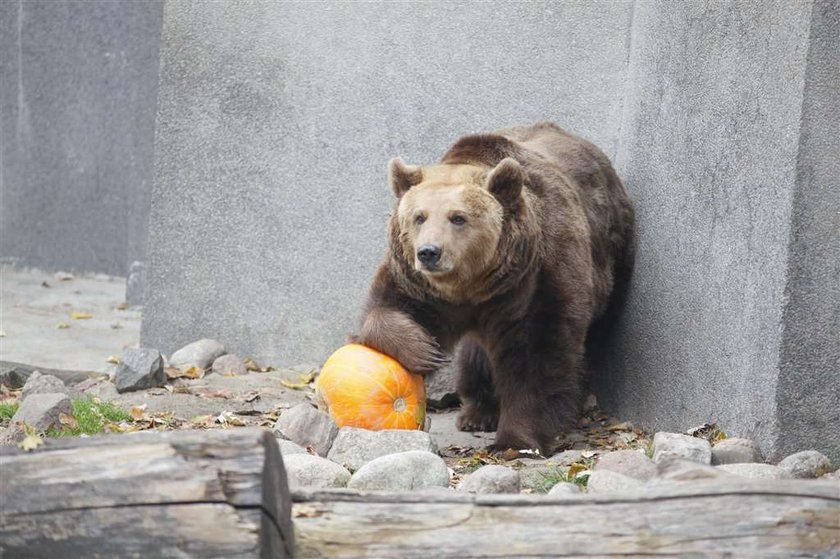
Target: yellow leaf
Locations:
point(193, 372)
point(575, 469)
point(113, 359)
point(122, 306)
point(294, 385)
point(62, 326)
point(138, 412)
point(77, 315)
point(251, 365)
point(32, 440)
point(96, 400)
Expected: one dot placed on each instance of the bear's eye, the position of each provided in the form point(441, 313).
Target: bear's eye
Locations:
point(419, 219)
point(457, 220)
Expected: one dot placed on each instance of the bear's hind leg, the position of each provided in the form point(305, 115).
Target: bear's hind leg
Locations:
point(480, 408)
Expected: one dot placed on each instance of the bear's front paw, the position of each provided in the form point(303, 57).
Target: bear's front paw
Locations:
point(505, 442)
point(474, 418)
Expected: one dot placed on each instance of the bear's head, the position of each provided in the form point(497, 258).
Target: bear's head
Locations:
point(450, 220)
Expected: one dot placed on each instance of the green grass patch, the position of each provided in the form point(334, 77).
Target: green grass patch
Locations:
point(91, 418)
point(8, 409)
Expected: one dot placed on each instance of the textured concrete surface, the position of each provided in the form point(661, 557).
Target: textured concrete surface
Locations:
point(30, 314)
point(275, 125)
point(78, 84)
point(730, 153)
point(808, 392)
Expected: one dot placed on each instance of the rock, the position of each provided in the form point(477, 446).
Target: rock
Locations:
point(440, 389)
point(564, 489)
point(566, 458)
point(628, 462)
point(735, 451)
point(491, 479)
point(668, 446)
point(355, 447)
point(759, 471)
point(542, 476)
point(804, 465)
point(197, 354)
point(41, 412)
point(310, 471)
point(139, 368)
point(685, 470)
point(405, 471)
point(307, 427)
point(607, 481)
point(288, 447)
point(38, 383)
point(229, 364)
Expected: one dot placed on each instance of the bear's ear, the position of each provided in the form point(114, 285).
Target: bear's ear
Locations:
point(402, 176)
point(505, 182)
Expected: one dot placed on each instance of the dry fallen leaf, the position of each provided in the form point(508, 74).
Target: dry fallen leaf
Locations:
point(32, 440)
point(305, 511)
point(303, 381)
point(251, 365)
point(191, 373)
point(227, 418)
point(78, 315)
point(113, 359)
point(138, 412)
point(122, 306)
point(62, 326)
point(68, 420)
point(2, 334)
point(194, 372)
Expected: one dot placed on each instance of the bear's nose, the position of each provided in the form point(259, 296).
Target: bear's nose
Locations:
point(428, 254)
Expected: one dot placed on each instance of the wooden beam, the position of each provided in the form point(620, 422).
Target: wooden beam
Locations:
point(220, 493)
point(733, 517)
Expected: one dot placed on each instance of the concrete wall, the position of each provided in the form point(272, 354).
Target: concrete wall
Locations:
point(728, 147)
point(78, 84)
point(275, 126)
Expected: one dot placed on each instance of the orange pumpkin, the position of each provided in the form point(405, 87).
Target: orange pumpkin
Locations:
point(361, 387)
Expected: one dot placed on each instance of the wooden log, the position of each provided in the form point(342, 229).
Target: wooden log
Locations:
point(219, 493)
point(732, 517)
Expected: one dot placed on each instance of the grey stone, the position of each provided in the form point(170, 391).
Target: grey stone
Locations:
point(686, 470)
point(313, 472)
point(199, 354)
point(297, 263)
point(564, 489)
point(566, 458)
point(628, 462)
point(806, 464)
point(607, 481)
point(39, 383)
point(289, 447)
point(734, 309)
point(41, 412)
point(735, 450)
point(540, 476)
point(491, 479)
point(307, 427)
point(230, 363)
point(355, 447)
point(139, 368)
point(77, 115)
point(670, 446)
point(440, 388)
point(406, 471)
point(761, 471)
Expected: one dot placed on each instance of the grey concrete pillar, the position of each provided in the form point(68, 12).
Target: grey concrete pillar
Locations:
point(729, 145)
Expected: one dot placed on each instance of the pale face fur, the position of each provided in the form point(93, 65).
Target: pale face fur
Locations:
point(451, 210)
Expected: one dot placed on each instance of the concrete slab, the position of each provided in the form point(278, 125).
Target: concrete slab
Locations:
point(30, 313)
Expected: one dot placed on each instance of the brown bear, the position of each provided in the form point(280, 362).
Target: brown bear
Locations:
point(514, 245)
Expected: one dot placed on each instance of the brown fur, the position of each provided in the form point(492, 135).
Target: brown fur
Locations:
point(546, 248)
